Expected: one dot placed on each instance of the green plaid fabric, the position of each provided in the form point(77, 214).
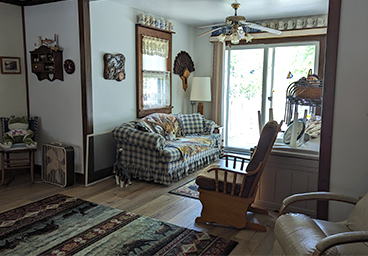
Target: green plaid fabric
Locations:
point(146, 156)
point(208, 126)
point(192, 123)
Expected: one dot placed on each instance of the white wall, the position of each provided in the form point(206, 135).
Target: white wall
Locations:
point(57, 103)
point(13, 99)
point(203, 52)
point(113, 31)
point(349, 163)
point(183, 40)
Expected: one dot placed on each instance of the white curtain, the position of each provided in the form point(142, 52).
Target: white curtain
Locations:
point(156, 89)
point(153, 46)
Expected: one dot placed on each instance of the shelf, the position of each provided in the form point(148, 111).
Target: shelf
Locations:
point(47, 63)
point(304, 101)
point(303, 93)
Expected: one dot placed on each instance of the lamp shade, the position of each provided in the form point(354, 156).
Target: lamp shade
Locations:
point(201, 89)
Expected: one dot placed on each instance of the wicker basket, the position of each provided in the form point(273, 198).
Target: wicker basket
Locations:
point(307, 92)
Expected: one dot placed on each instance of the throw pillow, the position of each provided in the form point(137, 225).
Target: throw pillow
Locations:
point(192, 123)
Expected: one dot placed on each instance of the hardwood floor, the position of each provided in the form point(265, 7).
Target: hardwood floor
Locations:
point(145, 198)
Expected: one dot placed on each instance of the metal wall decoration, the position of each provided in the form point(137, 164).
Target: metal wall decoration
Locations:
point(114, 66)
point(183, 65)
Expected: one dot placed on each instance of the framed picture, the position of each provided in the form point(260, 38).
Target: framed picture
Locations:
point(10, 65)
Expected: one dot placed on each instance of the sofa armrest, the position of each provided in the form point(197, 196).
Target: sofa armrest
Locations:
point(152, 141)
point(341, 238)
point(320, 196)
point(208, 126)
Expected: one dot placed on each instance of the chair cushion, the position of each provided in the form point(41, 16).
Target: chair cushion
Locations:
point(298, 234)
point(357, 220)
point(192, 123)
point(269, 133)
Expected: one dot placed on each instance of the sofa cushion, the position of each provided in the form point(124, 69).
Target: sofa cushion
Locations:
point(208, 126)
point(192, 144)
point(169, 155)
point(166, 125)
point(192, 123)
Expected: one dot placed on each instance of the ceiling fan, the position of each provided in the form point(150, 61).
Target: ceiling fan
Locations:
point(236, 24)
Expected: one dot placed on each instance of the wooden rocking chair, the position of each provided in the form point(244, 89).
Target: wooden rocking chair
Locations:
point(227, 193)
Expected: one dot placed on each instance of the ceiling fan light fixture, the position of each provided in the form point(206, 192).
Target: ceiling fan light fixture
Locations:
point(236, 25)
point(235, 38)
point(221, 37)
point(248, 37)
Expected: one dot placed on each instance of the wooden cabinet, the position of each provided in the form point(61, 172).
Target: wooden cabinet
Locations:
point(47, 63)
point(284, 175)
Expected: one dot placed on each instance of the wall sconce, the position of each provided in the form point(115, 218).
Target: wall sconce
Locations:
point(201, 91)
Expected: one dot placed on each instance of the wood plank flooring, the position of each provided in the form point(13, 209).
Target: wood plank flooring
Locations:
point(144, 198)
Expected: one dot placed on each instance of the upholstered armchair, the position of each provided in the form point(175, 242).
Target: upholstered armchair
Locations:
point(298, 234)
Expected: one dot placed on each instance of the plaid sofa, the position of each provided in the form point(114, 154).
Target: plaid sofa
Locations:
point(165, 148)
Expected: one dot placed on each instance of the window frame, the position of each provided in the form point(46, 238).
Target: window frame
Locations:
point(141, 31)
point(271, 42)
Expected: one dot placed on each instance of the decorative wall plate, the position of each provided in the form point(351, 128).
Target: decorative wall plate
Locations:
point(69, 66)
point(114, 66)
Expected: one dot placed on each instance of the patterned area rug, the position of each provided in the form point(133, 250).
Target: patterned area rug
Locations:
point(189, 189)
point(62, 225)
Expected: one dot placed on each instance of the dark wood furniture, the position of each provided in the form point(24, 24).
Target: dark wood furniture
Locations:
point(227, 191)
point(21, 157)
point(142, 30)
point(47, 63)
point(21, 161)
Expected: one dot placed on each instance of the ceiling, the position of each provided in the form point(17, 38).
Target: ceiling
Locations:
point(28, 2)
point(206, 12)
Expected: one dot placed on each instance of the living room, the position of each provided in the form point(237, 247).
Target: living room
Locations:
point(59, 103)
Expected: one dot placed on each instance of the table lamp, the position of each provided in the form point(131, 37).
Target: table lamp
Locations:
point(201, 91)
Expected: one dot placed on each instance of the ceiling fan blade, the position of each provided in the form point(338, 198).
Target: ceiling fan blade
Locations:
point(256, 26)
point(213, 25)
point(208, 32)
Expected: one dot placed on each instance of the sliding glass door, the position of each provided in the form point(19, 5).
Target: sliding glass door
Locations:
point(256, 79)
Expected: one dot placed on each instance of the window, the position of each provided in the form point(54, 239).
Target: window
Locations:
point(256, 80)
point(153, 71)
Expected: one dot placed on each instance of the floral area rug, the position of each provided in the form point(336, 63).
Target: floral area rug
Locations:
point(189, 189)
point(62, 225)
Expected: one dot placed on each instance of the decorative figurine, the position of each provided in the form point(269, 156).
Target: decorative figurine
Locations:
point(183, 66)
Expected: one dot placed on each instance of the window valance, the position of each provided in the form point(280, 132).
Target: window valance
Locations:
point(155, 46)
